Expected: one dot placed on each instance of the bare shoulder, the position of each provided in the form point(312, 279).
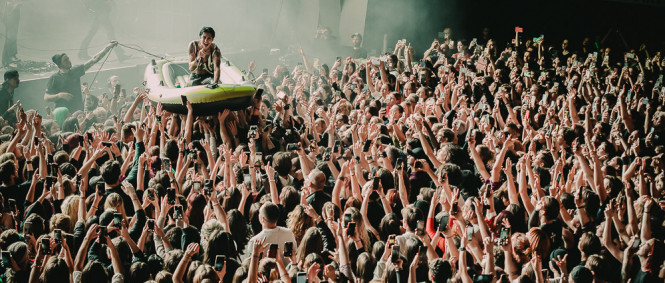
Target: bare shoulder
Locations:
point(192, 45)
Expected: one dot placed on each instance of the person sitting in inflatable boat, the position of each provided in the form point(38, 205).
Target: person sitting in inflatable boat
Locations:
point(204, 58)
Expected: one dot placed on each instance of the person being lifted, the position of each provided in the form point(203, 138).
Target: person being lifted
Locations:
point(204, 58)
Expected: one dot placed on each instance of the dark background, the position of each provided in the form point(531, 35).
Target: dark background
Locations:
point(419, 21)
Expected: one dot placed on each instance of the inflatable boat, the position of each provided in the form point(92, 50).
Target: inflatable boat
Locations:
point(166, 81)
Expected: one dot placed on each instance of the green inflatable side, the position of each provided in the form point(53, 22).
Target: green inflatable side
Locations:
point(164, 80)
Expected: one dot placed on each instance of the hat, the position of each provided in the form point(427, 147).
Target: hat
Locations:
point(57, 58)
point(357, 34)
point(417, 153)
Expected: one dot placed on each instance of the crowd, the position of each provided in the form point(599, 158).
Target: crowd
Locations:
point(467, 162)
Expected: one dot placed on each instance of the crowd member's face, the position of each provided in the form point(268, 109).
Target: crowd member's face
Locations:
point(114, 80)
point(14, 82)
point(206, 39)
point(527, 56)
point(559, 138)
point(65, 63)
point(658, 120)
point(564, 45)
point(632, 139)
point(447, 33)
point(645, 248)
point(460, 46)
point(356, 41)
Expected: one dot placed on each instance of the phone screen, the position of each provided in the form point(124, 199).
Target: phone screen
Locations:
point(443, 223)
point(272, 253)
point(288, 249)
point(391, 240)
point(368, 143)
point(177, 212)
point(505, 234)
point(420, 228)
point(469, 232)
point(6, 259)
point(46, 246)
point(394, 256)
point(301, 277)
point(351, 230)
point(375, 183)
point(151, 225)
point(220, 260)
point(170, 195)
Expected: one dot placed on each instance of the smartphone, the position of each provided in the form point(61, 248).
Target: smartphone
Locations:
point(46, 246)
point(469, 232)
point(166, 164)
point(636, 243)
point(170, 195)
point(177, 212)
point(293, 146)
point(454, 207)
point(80, 140)
point(27, 228)
point(375, 183)
point(252, 132)
point(326, 156)
point(482, 278)
point(366, 146)
point(645, 101)
point(6, 259)
point(391, 241)
point(420, 229)
point(272, 252)
point(184, 99)
point(220, 260)
point(151, 225)
point(107, 144)
point(336, 147)
point(351, 231)
point(418, 164)
point(503, 236)
point(301, 277)
point(12, 204)
point(394, 255)
point(57, 235)
point(100, 189)
point(52, 169)
point(288, 249)
point(399, 163)
point(347, 220)
point(117, 219)
point(196, 186)
point(258, 159)
point(102, 233)
point(443, 222)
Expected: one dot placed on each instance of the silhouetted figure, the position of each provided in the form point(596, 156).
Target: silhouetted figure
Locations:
point(11, 15)
point(101, 11)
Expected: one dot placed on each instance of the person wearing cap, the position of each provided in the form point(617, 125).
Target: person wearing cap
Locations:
point(7, 90)
point(64, 87)
point(358, 51)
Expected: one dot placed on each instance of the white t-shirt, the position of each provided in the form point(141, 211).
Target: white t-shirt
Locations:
point(278, 235)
